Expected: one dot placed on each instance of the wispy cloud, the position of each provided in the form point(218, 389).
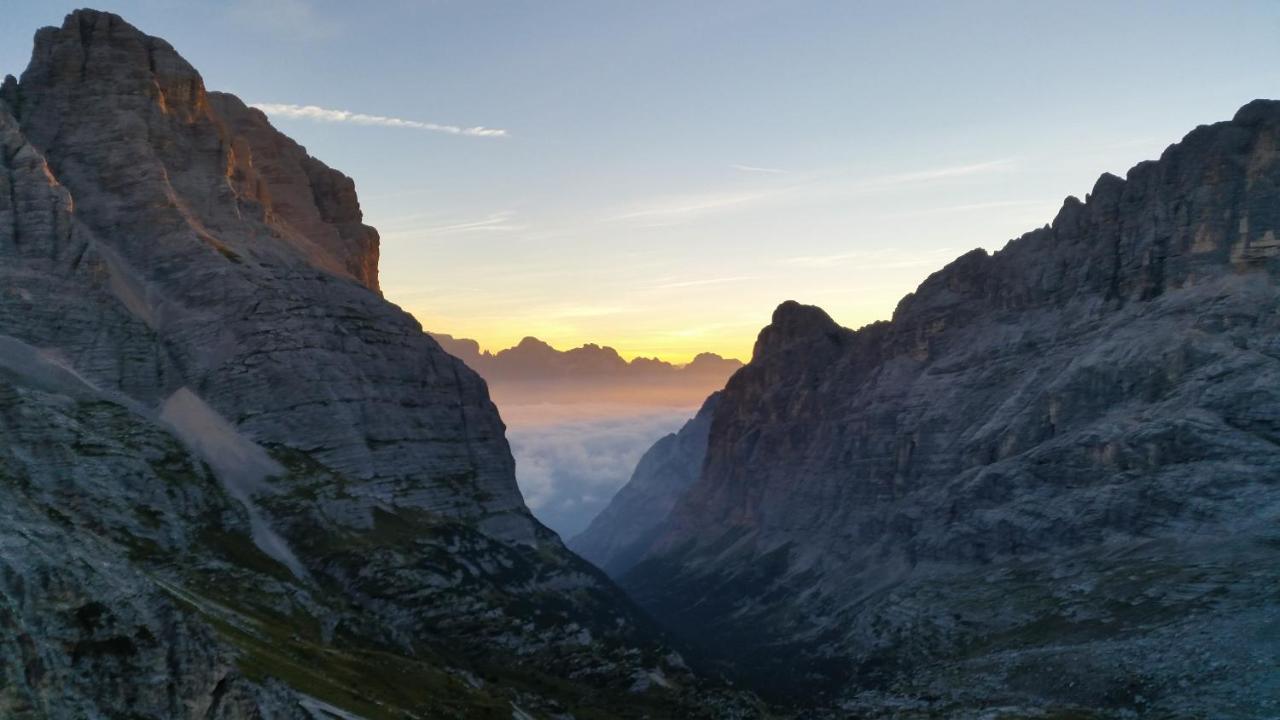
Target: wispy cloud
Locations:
point(1143, 142)
point(665, 211)
point(568, 470)
point(756, 169)
point(974, 207)
point(747, 326)
point(578, 312)
point(686, 205)
point(319, 114)
point(422, 226)
point(876, 259)
point(498, 222)
point(677, 284)
point(939, 173)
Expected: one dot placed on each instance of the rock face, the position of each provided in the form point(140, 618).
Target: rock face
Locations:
point(621, 533)
point(1049, 484)
point(234, 481)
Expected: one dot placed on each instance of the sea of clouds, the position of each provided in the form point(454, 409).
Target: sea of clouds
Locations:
point(571, 459)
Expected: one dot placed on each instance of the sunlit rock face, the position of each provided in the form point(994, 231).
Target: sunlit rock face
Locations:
point(234, 481)
point(248, 259)
point(1050, 483)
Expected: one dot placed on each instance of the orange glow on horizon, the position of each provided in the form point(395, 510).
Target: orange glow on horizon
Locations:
point(674, 352)
point(675, 348)
point(649, 338)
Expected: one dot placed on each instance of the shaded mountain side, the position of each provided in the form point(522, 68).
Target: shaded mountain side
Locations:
point(620, 534)
point(234, 481)
point(1048, 484)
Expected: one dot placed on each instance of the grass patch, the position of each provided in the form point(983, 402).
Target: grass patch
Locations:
point(370, 682)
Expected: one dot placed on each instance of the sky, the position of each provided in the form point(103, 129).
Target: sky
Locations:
point(657, 176)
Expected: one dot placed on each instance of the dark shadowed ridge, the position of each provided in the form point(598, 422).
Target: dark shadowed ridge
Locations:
point(1048, 484)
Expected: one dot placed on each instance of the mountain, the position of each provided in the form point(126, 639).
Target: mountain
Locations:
point(234, 481)
point(1050, 485)
point(621, 532)
point(533, 360)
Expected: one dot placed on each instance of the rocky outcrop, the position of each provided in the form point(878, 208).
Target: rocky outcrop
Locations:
point(621, 533)
point(1049, 484)
point(234, 481)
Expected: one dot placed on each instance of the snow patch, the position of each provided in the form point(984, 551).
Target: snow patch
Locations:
point(240, 464)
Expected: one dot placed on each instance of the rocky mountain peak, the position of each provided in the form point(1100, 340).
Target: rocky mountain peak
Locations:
point(593, 358)
point(219, 164)
point(709, 362)
point(1168, 224)
point(796, 324)
point(794, 318)
point(100, 49)
point(532, 344)
point(9, 91)
point(1257, 112)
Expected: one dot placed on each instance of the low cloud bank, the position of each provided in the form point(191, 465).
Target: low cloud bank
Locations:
point(570, 462)
point(319, 114)
point(578, 420)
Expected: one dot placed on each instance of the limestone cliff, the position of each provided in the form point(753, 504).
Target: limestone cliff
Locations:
point(1049, 484)
point(234, 481)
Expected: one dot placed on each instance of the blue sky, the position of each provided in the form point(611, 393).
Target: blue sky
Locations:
point(671, 171)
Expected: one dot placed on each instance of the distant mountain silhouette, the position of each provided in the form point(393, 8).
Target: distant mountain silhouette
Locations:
point(533, 359)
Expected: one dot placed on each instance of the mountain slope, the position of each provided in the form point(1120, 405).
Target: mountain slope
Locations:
point(235, 481)
point(622, 531)
point(1049, 484)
